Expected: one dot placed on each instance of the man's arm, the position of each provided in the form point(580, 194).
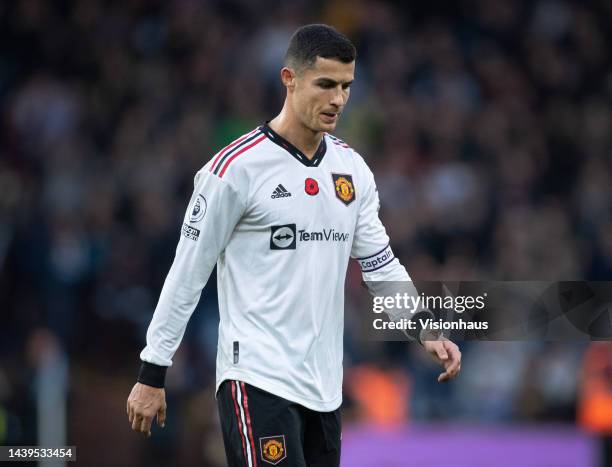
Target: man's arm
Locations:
point(379, 267)
point(213, 212)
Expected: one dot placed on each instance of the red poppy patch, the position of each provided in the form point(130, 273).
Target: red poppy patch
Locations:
point(311, 186)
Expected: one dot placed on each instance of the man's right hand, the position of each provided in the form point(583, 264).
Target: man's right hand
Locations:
point(143, 404)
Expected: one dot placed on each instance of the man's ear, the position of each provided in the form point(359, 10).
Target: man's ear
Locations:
point(288, 77)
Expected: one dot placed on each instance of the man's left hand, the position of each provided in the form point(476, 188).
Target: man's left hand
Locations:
point(447, 354)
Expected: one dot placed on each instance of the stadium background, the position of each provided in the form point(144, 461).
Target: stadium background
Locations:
point(486, 123)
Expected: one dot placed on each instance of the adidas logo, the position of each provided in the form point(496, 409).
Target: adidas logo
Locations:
point(280, 192)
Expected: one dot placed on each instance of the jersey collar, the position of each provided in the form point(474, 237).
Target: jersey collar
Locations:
point(291, 149)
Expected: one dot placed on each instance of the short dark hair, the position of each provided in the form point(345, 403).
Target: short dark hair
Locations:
point(318, 40)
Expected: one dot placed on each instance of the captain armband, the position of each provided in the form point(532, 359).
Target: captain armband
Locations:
point(377, 260)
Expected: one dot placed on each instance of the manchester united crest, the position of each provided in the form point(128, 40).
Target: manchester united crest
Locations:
point(273, 449)
point(343, 186)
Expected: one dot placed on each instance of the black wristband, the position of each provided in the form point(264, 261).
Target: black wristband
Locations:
point(416, 333)
point(152, 375)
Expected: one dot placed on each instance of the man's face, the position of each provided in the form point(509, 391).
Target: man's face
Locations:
point(320, 93)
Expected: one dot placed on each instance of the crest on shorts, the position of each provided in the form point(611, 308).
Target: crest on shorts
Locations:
point(273, 449)
point(343, 186)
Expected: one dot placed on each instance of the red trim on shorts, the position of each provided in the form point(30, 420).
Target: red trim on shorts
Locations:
point(248, 418)
point(233, 384)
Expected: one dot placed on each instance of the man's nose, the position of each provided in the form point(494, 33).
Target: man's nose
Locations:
point(337, 99)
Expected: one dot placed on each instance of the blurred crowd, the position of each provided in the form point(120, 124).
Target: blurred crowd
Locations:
point(486, 123)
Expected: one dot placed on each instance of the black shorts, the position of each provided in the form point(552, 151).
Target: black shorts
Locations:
point(262, 429)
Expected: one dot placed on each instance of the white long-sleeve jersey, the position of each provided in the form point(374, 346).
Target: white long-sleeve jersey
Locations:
point(281, 229)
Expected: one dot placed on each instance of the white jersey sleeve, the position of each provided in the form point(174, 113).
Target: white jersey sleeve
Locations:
point(214, 210)
point(381, 270)
point(371, 246)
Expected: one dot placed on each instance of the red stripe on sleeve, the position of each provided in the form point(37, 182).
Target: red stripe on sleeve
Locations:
point(227, 148)
point(229, 161)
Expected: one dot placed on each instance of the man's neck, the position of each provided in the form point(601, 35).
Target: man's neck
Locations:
point(293, 131)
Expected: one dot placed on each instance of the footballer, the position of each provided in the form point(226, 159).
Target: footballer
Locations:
point(280, 211)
